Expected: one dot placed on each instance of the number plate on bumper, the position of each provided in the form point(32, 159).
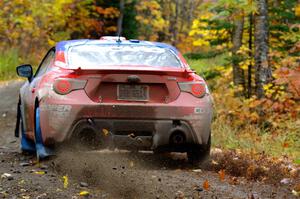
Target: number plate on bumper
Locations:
point(132, 92)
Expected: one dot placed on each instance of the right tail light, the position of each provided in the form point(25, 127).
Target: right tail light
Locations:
point(64, 86)
point(198, 89)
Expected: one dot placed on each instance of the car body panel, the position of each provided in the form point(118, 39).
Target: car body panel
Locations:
point(97, 103)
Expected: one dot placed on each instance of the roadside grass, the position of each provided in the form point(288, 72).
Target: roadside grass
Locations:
point(8, 61)
point(252, 139)
point(203, 66)
point(11, 58)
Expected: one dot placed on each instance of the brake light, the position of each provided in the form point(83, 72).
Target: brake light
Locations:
point(198, 89)
point(64, 86)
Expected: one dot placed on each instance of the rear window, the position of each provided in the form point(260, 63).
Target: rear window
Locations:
point(94, 56)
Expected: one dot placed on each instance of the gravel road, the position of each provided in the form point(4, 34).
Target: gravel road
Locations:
point(118, 174)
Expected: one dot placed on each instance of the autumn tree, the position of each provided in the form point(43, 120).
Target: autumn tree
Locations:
point(149, 17)
point(263, 72)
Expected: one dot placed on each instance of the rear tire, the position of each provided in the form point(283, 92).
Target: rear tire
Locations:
point(86, 138)
point(198, 155)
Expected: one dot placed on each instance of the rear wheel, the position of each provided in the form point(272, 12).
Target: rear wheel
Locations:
point(87, 137)
point(198, 155)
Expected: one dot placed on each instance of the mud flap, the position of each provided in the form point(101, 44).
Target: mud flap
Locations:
point(27, 145)
point(41, 150)
point(17, 128)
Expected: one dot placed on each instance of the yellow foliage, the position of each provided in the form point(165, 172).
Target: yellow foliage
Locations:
point(150, 18)
point(202, 35)
point(297, 10)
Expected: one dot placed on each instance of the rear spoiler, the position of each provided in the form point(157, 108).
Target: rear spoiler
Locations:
point(182, 72)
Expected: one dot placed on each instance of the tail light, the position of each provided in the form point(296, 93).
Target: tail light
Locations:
point(64, 86)
point(198, 89)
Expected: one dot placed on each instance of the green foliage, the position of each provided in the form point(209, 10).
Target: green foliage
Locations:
point(209, 68)
point(130, 24)
point(203, 55)
point(8, 62)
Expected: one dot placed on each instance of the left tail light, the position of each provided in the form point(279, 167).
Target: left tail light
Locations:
point(64, 86)
point(198, 89)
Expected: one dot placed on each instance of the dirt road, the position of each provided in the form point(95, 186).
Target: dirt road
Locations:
point(105, 174)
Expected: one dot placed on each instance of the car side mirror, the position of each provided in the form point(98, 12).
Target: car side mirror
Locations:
point(25, 70)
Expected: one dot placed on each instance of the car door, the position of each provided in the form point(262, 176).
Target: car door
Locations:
point(30, 90)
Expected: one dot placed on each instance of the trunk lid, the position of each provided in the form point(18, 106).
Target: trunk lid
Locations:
point(132, 84)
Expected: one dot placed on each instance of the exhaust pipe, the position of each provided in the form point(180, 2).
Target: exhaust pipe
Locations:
point(177, 136)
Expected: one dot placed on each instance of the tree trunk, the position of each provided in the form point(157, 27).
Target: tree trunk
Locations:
point(263, 72)
point(249, 89)
point(238, 72)
point(174, 29)
point(120, 19)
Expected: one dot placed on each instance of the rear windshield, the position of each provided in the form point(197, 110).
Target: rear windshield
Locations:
point(94, 56)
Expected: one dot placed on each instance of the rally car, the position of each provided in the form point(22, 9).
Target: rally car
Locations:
point(115, 93)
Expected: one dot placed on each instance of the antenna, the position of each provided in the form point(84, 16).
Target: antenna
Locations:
point(119, 38)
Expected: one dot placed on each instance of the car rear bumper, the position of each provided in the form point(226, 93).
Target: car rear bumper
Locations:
point(139, 134)
point(142, 125)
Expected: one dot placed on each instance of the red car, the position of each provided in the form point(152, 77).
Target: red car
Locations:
point(125, 94)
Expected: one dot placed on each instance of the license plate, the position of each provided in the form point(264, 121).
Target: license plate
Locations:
point(133, 92)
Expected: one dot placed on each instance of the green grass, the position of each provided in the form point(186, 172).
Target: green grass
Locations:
point(204, 65)
point(9, 60)
point(253, 139)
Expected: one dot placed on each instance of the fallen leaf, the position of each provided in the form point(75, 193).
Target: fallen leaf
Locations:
point(105, 132)
point(297, 188)
point(131, 164)
point(285, 145)
point(296, 193)
point(233, 181)
point(214, 162)
point(206, 185)
point(131, 135)
point(6, 175)
point(40, 172)
point(285, 181)
point(221, 175)
point(84, 193)
point(21, 182)
point(217, 150)
point(179, 195)
point(66, 181)
point(197, 170)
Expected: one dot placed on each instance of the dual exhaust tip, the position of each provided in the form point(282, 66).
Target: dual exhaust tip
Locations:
point(89, 134)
